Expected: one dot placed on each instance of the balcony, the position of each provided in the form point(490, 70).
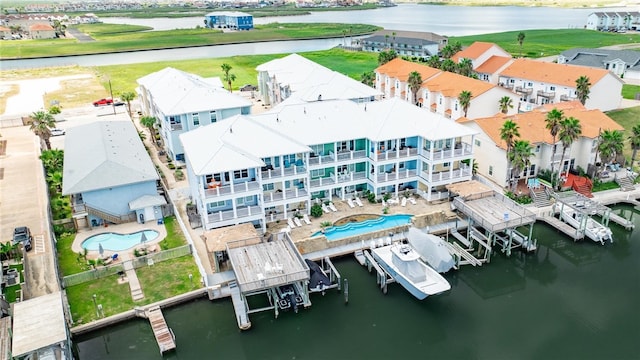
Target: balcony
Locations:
point(322, 160)
point(397, 154)
point(350, 155)
point(558, 156)
point(240, 213)
point(280, 172)
point(443, 177)
point(175, 127)
point(396, 175)
point(348, 177)
point(231, 189)
point(567, 98)
point(506, 86)
point(460, 150)
point(547, 94)
point(523, 90)
point(320, 182)
point(290, 194)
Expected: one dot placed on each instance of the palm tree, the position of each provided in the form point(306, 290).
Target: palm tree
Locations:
point(415, 83)
point(368, 78)
point(506, 103)
point(127, 97)
point(448, 51)
point(54, 179)
point(611, 144)
point(520, 158)
point(508, 133)
point(448, 65)
point(465, 100)
point(634, 140)
point(520, 41)
point(52, 160)
point(434, 61)
point(228, 77)
point(386, 56)
point(553, 119)
point(570, 131)
point(582, 89)
point(149, 122)
point(465, 67)
point(41, 123)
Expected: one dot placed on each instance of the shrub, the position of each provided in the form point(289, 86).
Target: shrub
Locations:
point(316, 210)
point(55, 110)
point(325, 224)
point(171, 166)
point(372, 198)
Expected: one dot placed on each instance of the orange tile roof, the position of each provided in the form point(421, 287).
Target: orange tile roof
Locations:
point(399, 68)
point(532, 125)
point(451, 85)
point(472, 51)
point(40, 27)
point(493, 64)
point(560, 74)
point(2, 28)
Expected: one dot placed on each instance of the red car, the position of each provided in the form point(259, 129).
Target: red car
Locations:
point(102, 102)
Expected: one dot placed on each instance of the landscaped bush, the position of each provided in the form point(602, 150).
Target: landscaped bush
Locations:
point(522, 199)
point(316, 210)
point(171, 166)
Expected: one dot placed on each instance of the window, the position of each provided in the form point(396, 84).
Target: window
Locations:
point(213, 116)
point(613, 66)
point(552, 88)
point(455, 106)
point(445, 165)
point(529, 84)
point(511, 81)
point(440, 101)
point(241, 174)
point(217, 204)
point(196, 119)
point(345, 146)
point(532, 170)
point(538, 148)
point(477, 142)
point(268, 187)
point(244, 201)
point(490, 170)
point(316, 173)
point(173, 120)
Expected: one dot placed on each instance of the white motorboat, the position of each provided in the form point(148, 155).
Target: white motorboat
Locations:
point(403, 263)
point(592, 229)
point(431, 249)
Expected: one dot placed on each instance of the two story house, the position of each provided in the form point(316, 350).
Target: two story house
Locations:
point(610, 20)
point(624, 63)
point(268, 167)
point(490, 150)
point(181, 102)
point(479, 52)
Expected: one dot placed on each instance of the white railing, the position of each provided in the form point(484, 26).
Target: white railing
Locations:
point(463, 150)
point(294, 193)
point(351, 155)
point(242, 212)
point(322, 160)
point(322, 182)
point(232, 189)
point(352, 176)
point(402, 174)
point(558, 156)
point(396, 154)
point(446, 175)
point(284, 171)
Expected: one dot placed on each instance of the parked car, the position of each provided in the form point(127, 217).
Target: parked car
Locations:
point(103, 102)
point(21, 234)
point(57, 132)
point(248, 87)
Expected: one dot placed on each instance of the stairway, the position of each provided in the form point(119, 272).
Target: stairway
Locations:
point(104, 215)
point(626, 183)
point(583, 187)
point(540, 197)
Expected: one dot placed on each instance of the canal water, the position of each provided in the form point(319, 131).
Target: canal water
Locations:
point(566, 301)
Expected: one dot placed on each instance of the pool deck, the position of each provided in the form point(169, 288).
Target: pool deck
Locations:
point(127, 228)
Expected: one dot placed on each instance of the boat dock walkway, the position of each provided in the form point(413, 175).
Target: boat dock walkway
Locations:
point(162, 332)
point(365, 258)
point(627, 224)
point(562, 226)
point(448, 226)
point(462, 256)
point(239, 306)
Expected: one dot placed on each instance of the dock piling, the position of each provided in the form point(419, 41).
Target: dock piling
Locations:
point(346, 291)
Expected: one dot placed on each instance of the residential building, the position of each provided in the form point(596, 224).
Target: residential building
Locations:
point(109, 175)
point(278, 79)
point(405, 43)
point(440, 90)
point(479, 52)
point(268, 167)
point(490, 150)
point(624, 63)
point(539, 83)
point(42, 31)
point(235, 20)
point(613, 21)
point(5, 33)
point(182, 102)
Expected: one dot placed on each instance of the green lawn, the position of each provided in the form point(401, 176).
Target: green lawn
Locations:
point(628, 118)
point(10, 291)
point(168, 278)
point(175, 237)
point(115, 298)
point(630, 91)
point(69, 262)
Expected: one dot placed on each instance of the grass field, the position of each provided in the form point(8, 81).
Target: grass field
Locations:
point(114, 297)
point(630, 91)
point(69, 262)
point(628, 118)
point(168, 278)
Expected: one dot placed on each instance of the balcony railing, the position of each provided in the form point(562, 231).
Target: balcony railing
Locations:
point(314, 183)
point(280, 172)
point(558, 156)
point(461, 150)
point(547, 94)
point(290, 194)
point(342, 178)
point(523, 90)
point(441, 176)
point(175, 127)
point(321, 160)
point(232, 189)
point(351, 155)
point(567, 98)
point(397, 175)
point(397, 154)
point(241, 212)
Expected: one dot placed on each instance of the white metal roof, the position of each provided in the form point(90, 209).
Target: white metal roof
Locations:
point(104, 154)
point(177, 92)
point(146, 201)
point(38, 323)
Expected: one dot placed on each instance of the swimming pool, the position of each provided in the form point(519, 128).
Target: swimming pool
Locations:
point(117, 242)
point(363, 227)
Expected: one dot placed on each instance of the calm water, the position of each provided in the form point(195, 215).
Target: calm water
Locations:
point(566, 301)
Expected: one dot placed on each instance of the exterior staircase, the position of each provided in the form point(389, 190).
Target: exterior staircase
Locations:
point(540, 197)
point(583, 187)
point(626, 183)
point(107, 216)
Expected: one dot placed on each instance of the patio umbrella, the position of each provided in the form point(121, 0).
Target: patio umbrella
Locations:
point(143, 238)
point(100, 250)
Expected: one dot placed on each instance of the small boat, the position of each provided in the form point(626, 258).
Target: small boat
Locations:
point(431, 249)
point(593, 229)
point(318, 279)
point(285, 297)
point(403, 263)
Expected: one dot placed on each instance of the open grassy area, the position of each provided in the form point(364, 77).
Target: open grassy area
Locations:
point(115, 298)
point(175, 237)
point(119, 38)
point(539, 43)
point(630, 91)
point(168, 278)
point(11, 293)
point(628, 118)
point(69, 262)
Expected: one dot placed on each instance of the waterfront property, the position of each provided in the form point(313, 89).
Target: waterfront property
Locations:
point(490, 149)
point(234, 20)
point(624, 63)
point(613, 21)
point(480, 52)
point(181, 102)
point(352, 229)
point(109, 175)
point(317, 150)
point(118, 242)
point(405, 43)
point(278, 79)
point(440, 90)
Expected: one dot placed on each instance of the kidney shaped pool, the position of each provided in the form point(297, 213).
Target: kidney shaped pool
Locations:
point(118, 242)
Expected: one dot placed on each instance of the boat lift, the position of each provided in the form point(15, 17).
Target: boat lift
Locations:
point(383, 278)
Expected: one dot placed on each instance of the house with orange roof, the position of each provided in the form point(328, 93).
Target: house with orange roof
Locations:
point(440, 90)
point(5, 33)
point(540, 83)
point(42, 31)
point(479, 52)
point(490, 150)
point(489, 70)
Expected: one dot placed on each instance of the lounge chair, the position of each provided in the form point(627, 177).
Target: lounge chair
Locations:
point(350, 202)
point(404, 201)
point(332, 207)
point(290, 223)
point(359, 202)
point(297, 222)
point(393, 201)
point(384, 203)
point(325, 209)
point(306, 220)
point(412, 200)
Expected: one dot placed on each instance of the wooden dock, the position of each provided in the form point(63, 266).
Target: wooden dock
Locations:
point(562, 226)
point(239, 306)
point(162, 332)
point(627, 224)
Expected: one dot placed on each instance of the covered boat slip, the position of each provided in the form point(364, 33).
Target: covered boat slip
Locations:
point(588, 207)
point(498, 215)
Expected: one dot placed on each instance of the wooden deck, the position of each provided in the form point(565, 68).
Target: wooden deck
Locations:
point(562, 226)
point(161, 331)
point(494, 212)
